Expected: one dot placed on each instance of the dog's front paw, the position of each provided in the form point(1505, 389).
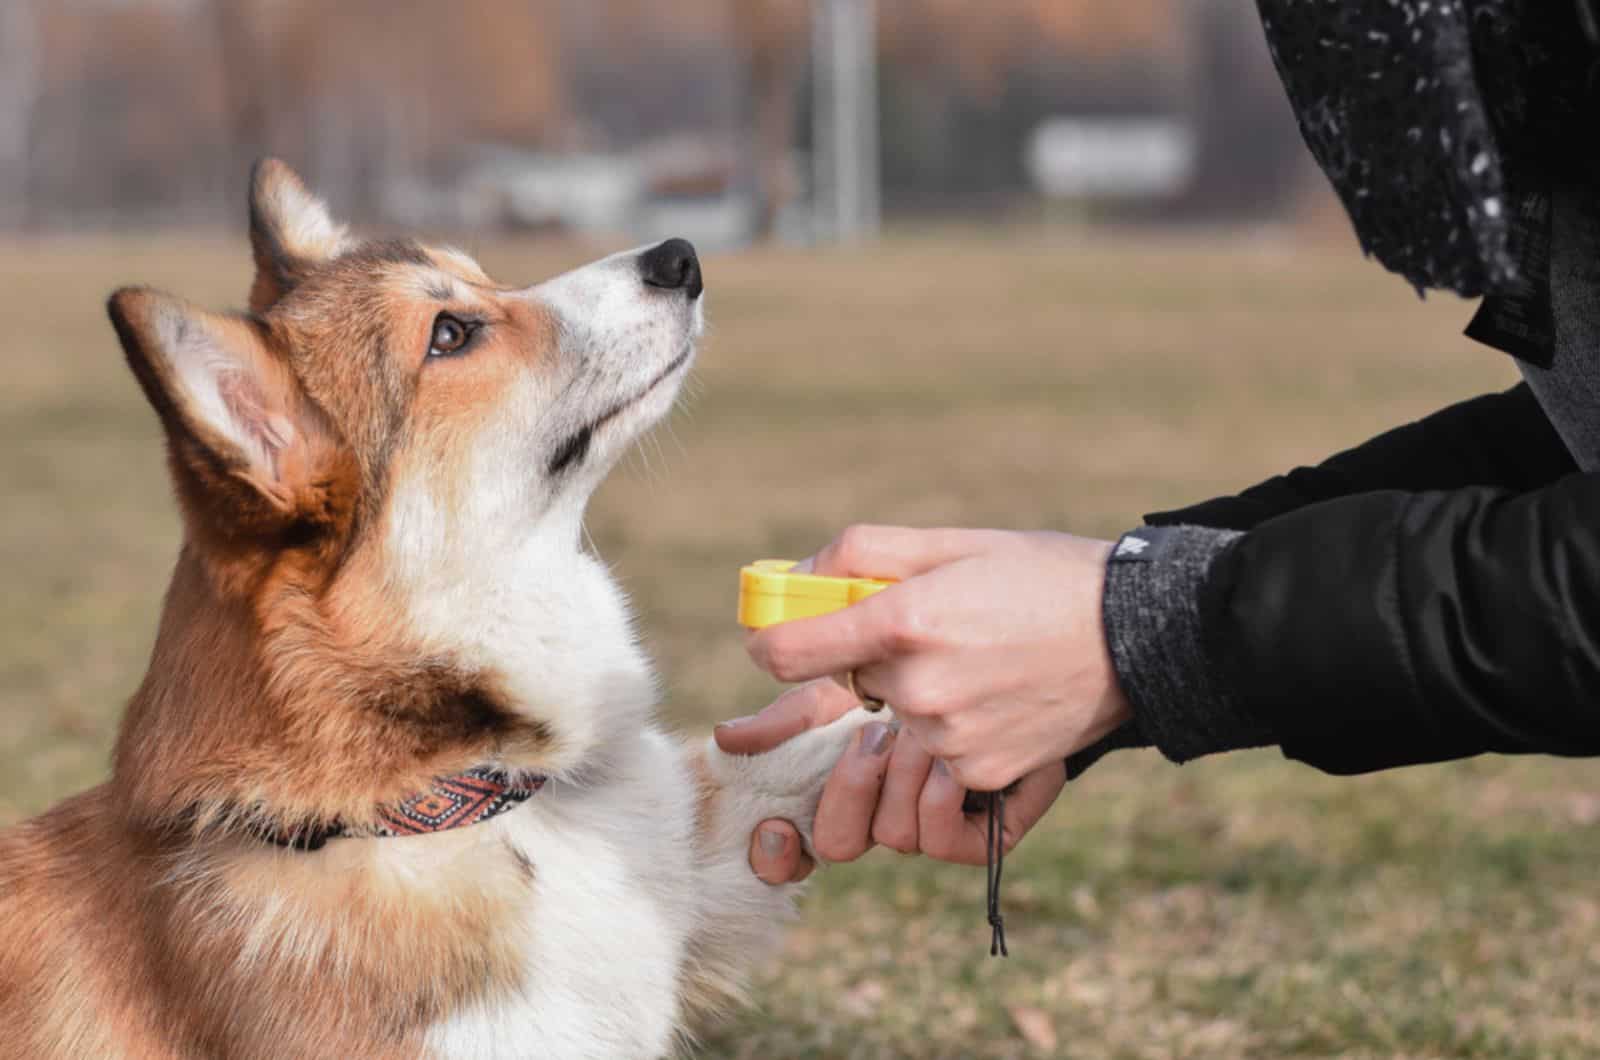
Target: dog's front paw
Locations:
point(787, 781)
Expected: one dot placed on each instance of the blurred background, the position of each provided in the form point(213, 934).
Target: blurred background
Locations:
point(733, 120)
point(1023, 263)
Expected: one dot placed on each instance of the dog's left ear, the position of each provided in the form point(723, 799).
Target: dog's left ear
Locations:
point(252, 454)
point(291, 232)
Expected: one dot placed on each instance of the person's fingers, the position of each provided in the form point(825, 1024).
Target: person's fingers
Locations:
point(1030, 800)
point(808, 706)
point(894, 553)
point(949, 834)
point(894, 825)
point(924, 689)
point(776, 854)
point(944, 832)
point(878, 627)
point(836, 643)
point(843, 829)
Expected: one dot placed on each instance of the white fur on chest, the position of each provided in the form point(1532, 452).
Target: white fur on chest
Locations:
point(608, 919)
point(624, 892)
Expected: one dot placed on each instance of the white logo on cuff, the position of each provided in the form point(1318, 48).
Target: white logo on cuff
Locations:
point(1131, 546)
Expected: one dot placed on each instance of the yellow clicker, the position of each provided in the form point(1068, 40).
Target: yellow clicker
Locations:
point(771, 591)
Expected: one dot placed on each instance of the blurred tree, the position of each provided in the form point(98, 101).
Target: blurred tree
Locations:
point(984, 43)
point(245, 76)
point(367, 92)
point(965, 85)
point(126, 120)
point(1249, 154)
point(771, 38)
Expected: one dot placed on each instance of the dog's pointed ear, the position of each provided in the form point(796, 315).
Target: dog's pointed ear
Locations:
point(291, 232)
point(247, 444)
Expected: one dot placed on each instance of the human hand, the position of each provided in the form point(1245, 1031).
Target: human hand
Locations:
point(885, 790)
point(991, 648)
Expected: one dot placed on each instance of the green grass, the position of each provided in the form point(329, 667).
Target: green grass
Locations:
point(1239, 907)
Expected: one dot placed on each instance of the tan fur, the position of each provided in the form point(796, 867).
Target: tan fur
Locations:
point(141, 919)
point(707, 990)
point(116, 947)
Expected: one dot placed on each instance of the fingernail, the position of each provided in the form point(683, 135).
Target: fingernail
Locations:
point(732, 723)
point(773, 842)
point(805, 565)
point(875, 739)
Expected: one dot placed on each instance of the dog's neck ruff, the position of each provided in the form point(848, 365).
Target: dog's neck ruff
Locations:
point(467, 798)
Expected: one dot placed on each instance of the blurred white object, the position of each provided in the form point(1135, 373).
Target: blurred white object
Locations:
point(1113, 158)
point(586, 193)
point(719, 223)
point(673, 186)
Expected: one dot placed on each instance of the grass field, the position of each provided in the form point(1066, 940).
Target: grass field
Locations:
point(1241, 907)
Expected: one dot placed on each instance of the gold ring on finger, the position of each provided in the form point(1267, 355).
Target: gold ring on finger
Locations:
point(872, 703)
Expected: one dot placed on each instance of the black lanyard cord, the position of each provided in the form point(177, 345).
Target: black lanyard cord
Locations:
point(996, 863)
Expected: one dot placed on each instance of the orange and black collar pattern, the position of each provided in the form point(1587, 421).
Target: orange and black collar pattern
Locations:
point(467, 798)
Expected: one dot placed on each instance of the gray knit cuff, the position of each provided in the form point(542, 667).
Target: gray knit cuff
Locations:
point(1155, 630)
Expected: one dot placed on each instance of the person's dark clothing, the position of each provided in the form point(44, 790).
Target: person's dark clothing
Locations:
point(1440, 124)
point(1434, 593)
point(1427, 595)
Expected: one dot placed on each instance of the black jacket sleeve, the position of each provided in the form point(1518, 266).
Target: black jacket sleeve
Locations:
point(1501, 440)
point(1164, 621)
point(1389, 629)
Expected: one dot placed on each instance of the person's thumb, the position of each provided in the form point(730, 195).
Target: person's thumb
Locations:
point(807, 706)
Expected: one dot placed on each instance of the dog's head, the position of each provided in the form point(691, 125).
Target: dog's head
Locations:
point(367, 369)
point(389, 456)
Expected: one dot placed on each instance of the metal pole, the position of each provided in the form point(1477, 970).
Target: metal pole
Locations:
point(857, 118)
point(846, 120)
point(19, 90)
point(824, 222)
point(871, 145)
point(845, 117)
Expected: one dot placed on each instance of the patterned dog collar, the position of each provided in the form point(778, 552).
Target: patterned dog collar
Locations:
point(467, 798)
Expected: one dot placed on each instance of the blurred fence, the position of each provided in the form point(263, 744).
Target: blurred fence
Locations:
point(494, 114)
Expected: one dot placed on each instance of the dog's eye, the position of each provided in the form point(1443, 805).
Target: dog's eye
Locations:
point(449, 336)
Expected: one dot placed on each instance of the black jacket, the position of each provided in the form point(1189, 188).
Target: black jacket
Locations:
point(1432, 594)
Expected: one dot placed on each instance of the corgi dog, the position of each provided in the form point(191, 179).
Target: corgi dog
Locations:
point(393, 786)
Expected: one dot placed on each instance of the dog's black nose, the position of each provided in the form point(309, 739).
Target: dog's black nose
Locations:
point(674, 266)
